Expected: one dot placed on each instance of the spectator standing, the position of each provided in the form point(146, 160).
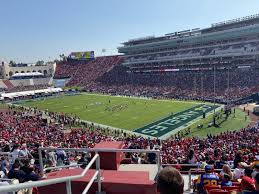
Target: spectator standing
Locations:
point(15, 152)
point(247, 182)
point(24, 152)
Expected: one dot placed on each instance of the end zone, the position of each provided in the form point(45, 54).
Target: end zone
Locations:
point(170, 125)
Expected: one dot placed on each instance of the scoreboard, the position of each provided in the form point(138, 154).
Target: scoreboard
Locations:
point(82, 55)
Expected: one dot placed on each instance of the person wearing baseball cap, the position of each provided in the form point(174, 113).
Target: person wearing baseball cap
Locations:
point(209, 178)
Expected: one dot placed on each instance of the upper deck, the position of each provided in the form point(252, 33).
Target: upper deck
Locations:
point(227, 30)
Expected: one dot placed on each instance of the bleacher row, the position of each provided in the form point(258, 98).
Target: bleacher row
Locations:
point(106, 74)
point(222, 50)
point(24, 84)
point(23, 131)
point(83, 73)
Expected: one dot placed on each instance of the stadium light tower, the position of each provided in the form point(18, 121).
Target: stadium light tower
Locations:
point(214, 89)
point(228, 82)
point(103, 51)
point(201, 76)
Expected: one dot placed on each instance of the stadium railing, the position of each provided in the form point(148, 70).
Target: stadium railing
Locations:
point(8, 154)
point(97, 150)
point(194, 168)
point(67, 180)
point(96, 177)
point(60, 167)
point(7, 180)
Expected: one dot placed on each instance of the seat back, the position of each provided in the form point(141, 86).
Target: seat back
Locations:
point(217, 191)
point(235, 183)
point(208, 188)
point(231, 188)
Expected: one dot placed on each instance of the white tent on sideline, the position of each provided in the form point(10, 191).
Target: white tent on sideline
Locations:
point(30, 93)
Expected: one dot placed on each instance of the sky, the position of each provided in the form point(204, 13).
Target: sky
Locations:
point(32, 30)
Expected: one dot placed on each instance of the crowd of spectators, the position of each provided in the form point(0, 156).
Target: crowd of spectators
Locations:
point(24, 130)
point(27, 88)
point(229, 85)
point(36, 128)
point(170, 181)
point(105, 74)
point(83, 73)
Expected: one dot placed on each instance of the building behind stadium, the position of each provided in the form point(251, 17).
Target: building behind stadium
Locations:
point(20, 75)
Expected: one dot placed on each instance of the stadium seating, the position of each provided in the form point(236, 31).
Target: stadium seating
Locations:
point(105, 74)
point(8, 84)
point(27, 88)
point(190, 53)
point(66, 70)
point(217, 191)
point(2, 85)
point(30, 127)
point(208, 188)
point(231, 188)
point(51, 135)
point(83, 73)
point(190, 85)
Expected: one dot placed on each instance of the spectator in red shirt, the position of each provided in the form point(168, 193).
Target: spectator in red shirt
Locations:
point(248, 183)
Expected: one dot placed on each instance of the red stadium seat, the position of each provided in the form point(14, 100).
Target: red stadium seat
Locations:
point(218, 191)
point(126, 161)
point(235, 183)
point(231, 188)
point(208, 188)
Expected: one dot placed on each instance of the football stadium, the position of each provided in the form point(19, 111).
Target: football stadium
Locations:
point(176, 113)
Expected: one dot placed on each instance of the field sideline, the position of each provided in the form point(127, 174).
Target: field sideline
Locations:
point(150, 117)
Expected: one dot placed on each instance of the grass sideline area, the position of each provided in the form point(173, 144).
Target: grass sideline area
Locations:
point(237, 122)
point(120, 112)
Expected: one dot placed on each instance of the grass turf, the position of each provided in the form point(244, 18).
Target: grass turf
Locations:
point(132, 113)
point(232, 123)
point(128, 113)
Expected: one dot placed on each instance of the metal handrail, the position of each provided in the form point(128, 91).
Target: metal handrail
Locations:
point(97, 173)
point(97, 150)
point(100, 150)
point(10, 155)
point(5, 153)
point(5, 179)
point(68, 179)
point(203, 170)
point(90, 183)
point(60, 167)
point(191, 165)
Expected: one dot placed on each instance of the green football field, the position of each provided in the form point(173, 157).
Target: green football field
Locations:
point(154, 118)
point(119, 112)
